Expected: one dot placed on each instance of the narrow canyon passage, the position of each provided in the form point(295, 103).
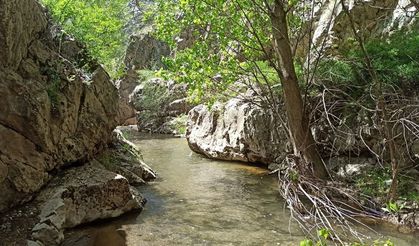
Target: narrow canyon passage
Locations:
point(197, 201)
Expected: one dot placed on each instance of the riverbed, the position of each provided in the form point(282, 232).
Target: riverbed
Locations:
point(198, 201)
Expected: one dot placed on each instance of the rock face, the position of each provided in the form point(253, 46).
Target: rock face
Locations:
point(97, 190)
point(372, 18)
point(236, 130)
point(241, 131)
point(145, 52)
point(124, 158)
point(126, 86)
point(162, 106)
point(55, 109)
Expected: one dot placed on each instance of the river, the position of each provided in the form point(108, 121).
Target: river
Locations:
point(197, 201)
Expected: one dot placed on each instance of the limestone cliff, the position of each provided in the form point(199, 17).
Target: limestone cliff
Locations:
point(371, 19)
point(57, 106)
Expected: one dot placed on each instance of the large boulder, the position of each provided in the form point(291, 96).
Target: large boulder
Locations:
point(236, 130)
point(58, 106)
point(126, 86)
point(82, 195)
point(240, 130)
point(144, 52)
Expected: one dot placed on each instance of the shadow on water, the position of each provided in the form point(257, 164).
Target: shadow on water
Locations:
point(197, 201)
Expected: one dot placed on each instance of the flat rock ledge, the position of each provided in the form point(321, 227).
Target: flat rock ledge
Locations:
point(98, 190)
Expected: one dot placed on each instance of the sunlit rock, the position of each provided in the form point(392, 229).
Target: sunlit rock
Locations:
point(236, 130)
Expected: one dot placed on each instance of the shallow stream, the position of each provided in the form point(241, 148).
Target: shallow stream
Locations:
point(197, 201)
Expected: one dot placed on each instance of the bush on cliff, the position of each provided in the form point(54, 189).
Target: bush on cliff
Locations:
point(99, 24)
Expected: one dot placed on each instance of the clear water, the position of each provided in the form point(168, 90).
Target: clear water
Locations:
point(197, 201)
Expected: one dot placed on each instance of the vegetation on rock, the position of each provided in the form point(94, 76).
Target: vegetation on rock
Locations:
point(97, 23)
point(356, 97)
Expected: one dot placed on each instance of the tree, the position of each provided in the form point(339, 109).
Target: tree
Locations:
point(302, 138)
point(268, 43)
point(98, 23)
point(234, 39)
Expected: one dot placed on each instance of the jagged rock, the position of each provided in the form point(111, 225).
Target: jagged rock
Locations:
point(33, 243)
point(145, 52)
point(47, 234)
point(97, 190)
point(127, 160)
point(126, 86)
point(54, 112)
point(346, 166)
point(373, 18)
point(236, 130)
point(407, 220)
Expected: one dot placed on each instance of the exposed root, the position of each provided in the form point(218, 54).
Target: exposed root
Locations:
point(318, 204)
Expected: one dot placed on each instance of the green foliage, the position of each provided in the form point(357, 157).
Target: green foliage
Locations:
point(178, 124)
point(54, 84)
point(324, 236)
point(375, 183)
point(336, 71)
point(410, 195)
point(225, 46)
point(393, 207)
point(108, 161)
point(324, 233)
point(395, 58)
point(98, 23)
point(307, 242)
point(145, 75)
point(154, 98)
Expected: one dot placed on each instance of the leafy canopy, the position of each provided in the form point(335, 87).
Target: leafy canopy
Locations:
point(98, 23)
point(230, 40)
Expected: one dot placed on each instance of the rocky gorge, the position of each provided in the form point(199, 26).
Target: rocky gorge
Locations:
point(64, 161)
point(58, 149)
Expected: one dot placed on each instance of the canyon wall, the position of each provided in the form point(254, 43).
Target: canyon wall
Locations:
point(58, 107)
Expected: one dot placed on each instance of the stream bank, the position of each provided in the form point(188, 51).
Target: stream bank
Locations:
point(198, 201)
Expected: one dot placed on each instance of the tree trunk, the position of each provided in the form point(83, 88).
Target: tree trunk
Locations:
point(302, 138)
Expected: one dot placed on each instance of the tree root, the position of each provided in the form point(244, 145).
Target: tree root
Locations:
point(319, 204)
